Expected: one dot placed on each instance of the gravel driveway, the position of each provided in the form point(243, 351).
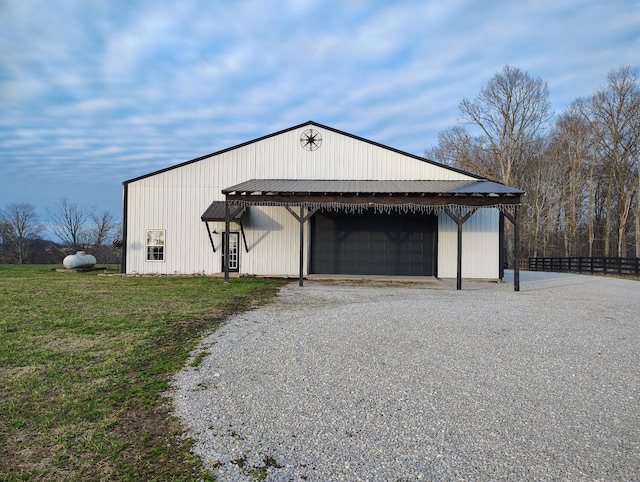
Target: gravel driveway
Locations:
point(394, 382)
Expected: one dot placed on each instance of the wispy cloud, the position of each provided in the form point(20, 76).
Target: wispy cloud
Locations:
point(94, 93)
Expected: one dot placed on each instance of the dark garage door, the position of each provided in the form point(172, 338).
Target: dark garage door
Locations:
point(377, 244)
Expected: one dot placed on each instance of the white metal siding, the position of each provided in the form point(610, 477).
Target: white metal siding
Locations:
point(175, 199)
point(480, 246)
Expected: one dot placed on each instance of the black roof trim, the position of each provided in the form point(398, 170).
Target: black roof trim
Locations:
point(304, 124)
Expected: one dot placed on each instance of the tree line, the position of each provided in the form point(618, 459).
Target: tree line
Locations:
point(78, 229)
point(580, 169)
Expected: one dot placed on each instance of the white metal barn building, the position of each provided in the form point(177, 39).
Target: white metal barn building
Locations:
point(313, 199)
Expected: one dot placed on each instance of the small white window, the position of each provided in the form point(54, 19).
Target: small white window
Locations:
point(155, 245)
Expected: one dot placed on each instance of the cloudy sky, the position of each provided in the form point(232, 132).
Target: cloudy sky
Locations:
point(93, 93)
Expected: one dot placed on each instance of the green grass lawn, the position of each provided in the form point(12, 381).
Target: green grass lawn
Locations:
point(85, 360)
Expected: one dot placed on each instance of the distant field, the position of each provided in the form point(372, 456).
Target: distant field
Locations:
point(84, 359)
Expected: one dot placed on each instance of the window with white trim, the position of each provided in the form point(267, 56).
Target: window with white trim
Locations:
point(155, 244)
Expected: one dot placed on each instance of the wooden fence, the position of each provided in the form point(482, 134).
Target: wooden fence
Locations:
point(582, 264)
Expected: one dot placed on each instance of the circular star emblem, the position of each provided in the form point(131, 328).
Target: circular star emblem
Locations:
point(310, 139)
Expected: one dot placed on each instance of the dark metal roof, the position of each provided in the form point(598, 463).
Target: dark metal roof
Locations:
point(215, 212)
point(324, 187)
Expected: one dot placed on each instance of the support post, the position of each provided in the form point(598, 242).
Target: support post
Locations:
point(244, 238)
point(225, 249)
point(459, 219)
point(515, 220)
point(516, 249)
point(213, 246)
point(228, 216)
point(302, 218)
point(459, 260)
point(301, 275)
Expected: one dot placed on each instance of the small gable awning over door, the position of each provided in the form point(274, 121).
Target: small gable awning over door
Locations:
point(215, 213)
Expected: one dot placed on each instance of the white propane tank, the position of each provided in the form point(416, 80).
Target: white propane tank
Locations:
point(79, 260)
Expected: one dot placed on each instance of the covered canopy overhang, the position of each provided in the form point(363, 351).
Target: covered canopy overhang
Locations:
point(216, 213)
point(459, 199)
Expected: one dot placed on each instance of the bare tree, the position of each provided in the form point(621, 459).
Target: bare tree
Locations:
point(101, 232)
point(5, 234)
point(67, 222)
point(457, 147)
point(19, 227)
point(540, 202)
point(613, 113)
point(504, 137)
point(570, 148)
point(583, 187)
point(512, 112)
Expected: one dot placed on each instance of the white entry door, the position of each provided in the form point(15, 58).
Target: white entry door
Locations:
point(234, 251)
